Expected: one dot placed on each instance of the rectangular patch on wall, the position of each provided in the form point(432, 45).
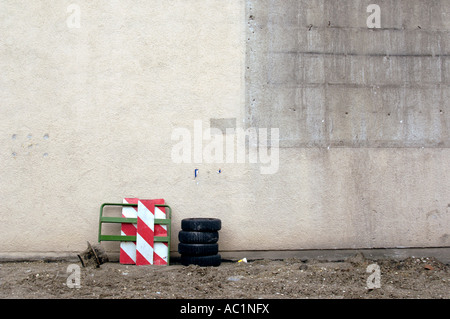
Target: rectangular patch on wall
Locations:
point(222, 124)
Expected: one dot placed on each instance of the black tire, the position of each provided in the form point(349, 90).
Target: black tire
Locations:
point(201, 224)
point(197, 237)
point(203, 261)
point(198, 249)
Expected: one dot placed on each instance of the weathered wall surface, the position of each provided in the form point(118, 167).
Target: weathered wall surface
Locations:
point(88, 115)
point(363, 116)
point(315, 68)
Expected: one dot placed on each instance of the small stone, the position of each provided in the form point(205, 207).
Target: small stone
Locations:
point(234, 278)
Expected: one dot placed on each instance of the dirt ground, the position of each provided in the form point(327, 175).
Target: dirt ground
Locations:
point(424, 278)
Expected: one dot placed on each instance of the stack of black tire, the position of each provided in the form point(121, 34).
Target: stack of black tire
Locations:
point(199, 241)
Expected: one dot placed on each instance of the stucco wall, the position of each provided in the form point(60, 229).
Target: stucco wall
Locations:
point(88, 115)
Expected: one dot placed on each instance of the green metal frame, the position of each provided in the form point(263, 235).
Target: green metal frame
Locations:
point(123, 220)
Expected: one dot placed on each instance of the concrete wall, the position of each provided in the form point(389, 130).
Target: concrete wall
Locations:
point(318, 70)
point(88, 115)
point(363, 116)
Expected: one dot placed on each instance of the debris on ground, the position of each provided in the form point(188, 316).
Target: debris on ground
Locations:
point(93, 256)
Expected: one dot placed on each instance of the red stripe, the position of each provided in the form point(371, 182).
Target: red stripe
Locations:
point(160, 231)
point(124, 258)
point(145, 232)
point(149, 203)
point(129, 229)
point(141, 260)
point(132, 201)
point(160, 201)
point(157, 260)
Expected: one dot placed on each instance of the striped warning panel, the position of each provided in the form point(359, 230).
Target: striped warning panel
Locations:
point(128, 249)
point(161, 252)
point(145, 232)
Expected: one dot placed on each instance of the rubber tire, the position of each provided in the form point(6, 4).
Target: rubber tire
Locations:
point(201, 224)
point(198, 249)
point(203, 261)
point(197, 237)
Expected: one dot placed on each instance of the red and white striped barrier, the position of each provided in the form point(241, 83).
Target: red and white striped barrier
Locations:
point(144, 251)
point(128, 248)
point(145, 232)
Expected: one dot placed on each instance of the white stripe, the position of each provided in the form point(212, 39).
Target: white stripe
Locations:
point(159, 213)
point(144, 248)
point(130, 249)
point(129, 212)
point(161, 250)
point(146, 216)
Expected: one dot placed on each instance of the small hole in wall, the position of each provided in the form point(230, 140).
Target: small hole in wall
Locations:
point(46, 137)
point(45, 154)
point(14, 136)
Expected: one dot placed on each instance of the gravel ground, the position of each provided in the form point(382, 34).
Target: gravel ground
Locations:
point(423, 278)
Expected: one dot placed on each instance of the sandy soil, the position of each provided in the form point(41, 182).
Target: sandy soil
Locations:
point(422, 278)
